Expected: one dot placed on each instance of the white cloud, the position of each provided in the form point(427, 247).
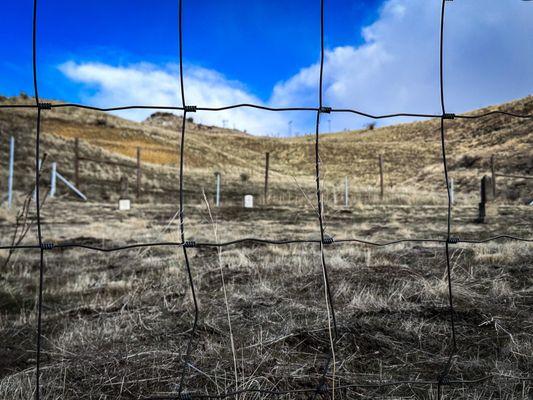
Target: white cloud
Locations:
point(147, 84)
point(488, 60)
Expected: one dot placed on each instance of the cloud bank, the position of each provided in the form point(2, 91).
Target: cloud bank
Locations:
point(488, 60)
point(148, 84)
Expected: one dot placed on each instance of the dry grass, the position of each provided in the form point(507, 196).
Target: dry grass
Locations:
point(116, 325)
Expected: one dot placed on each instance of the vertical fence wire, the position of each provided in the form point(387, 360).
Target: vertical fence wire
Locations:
point(37, 207)
point(186, 358)
point(453, 341)
point(332, 321)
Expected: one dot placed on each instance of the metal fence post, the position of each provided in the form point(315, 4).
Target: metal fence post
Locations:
point(346, 199)
point(217, 196)
point(53, 180)
point(34, 195)
point(11, 170)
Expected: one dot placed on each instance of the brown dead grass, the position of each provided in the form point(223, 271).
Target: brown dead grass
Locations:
point(116, 325)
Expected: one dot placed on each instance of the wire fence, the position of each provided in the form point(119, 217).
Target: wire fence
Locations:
point(107, 169)
point(321, 387)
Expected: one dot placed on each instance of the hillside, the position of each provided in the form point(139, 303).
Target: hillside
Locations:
point(411, 151)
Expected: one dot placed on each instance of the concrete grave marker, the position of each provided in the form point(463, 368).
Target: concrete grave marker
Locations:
point(248, 201)
point(124, 204)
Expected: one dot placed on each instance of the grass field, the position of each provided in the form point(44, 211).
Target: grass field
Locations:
point(116, 325)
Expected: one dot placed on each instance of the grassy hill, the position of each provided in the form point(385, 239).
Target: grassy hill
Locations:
point(411, 152)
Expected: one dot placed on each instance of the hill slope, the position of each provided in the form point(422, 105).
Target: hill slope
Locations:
point(411, 151)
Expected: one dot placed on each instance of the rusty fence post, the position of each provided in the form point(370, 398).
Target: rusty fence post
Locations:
point(77, 162)
point(483, 200)
point(138, 186)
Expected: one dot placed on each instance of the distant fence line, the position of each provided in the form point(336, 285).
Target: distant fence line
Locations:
point(341, 190)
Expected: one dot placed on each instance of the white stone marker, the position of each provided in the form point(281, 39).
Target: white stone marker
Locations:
point(124, 204)
point(248, 201)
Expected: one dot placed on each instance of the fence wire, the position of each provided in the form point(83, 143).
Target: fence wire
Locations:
point(320, 388)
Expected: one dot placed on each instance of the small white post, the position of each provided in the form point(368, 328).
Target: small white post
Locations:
point(34, 196)
point(346, 199)
point(11, 165)
point(217, 198)
point(53, 180)
point(452, 194)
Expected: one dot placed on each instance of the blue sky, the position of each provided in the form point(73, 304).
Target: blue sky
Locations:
point(381, 55)
point(256, 42)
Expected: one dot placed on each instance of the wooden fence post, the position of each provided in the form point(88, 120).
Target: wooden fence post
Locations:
point(493, 173)
point(267, 162)
point(483, 201)
point(77, 162)
point(124, 187)
point(381, 182)
point(138, 188)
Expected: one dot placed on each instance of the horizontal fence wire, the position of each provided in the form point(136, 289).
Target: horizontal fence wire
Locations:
point(261, 107)
point(318, 388)
point(262, 241)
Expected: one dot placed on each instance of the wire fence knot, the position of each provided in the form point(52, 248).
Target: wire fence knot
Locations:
point(189, 243)
point(189, 108)
point(325, 110)
point(448, 116)
point(47, 246)
point(453, 240)
point(328, 240)
point(44, 106)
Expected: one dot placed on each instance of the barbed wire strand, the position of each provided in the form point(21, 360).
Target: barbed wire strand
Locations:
point(184, 244)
